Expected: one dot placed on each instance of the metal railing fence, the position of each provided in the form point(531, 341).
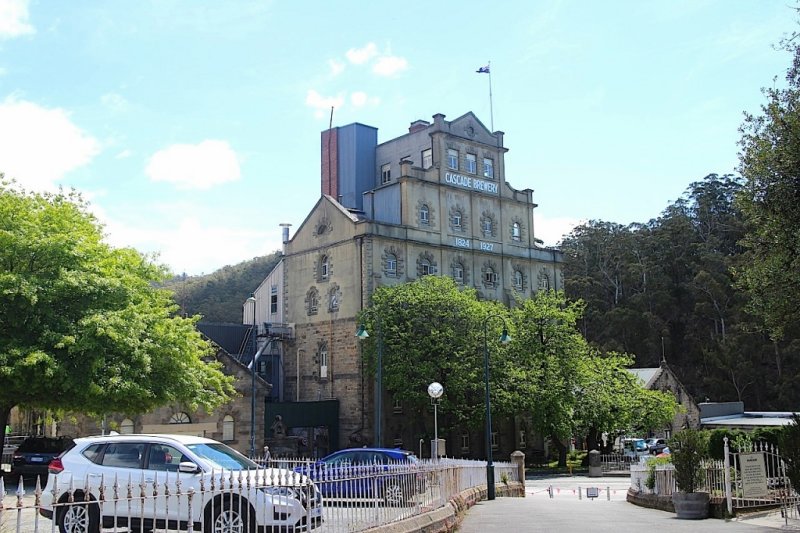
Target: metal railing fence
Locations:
point(345, 498)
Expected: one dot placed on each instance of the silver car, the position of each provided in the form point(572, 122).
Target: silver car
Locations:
point(171, 481)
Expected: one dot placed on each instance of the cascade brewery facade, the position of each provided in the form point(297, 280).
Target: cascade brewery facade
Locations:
point(434, 201)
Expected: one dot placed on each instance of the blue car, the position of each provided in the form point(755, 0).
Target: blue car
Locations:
point(392, 475)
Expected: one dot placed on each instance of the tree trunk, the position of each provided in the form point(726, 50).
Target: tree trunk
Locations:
point(5, 413)
point(562, 452)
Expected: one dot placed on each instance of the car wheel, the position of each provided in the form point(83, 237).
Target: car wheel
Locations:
point(79, 518)
point(230, 516)
point(393, 493)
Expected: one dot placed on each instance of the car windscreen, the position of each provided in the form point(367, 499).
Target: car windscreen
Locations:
point(222, 456)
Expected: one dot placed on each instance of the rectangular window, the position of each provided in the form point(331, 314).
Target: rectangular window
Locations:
point(273, 304)
point(397, 408)
point(494, 440)
point(522, 441)
point(488, 168)
point(452, 159)
point(464, 442)
point(458, 273)
point(323, 363)
point(472, 163)
point(386, 173)
point(427, 158)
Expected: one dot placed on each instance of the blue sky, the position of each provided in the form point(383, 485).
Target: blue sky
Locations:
point(193, 127)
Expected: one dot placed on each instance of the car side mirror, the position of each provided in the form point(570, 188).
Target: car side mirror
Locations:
point(188, 467)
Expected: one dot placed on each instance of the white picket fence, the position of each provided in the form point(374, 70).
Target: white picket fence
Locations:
point(723, 481)
point(359, 497)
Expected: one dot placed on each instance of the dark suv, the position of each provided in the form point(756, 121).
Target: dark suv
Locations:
point(33, 456)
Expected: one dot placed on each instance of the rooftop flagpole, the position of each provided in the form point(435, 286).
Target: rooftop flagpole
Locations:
point(488, 70)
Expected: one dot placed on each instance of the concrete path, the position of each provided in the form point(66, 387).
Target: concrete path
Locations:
point(564, 512)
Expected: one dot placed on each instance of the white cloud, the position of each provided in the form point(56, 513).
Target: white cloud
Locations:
point(322, 104)
point(389, 65)
point(124, 154)
point(552, 230)
point(360, 99)
point(359, 56)
point(195, 166)
point(191, 244)
point(337, 67)
point(14, 19)
point(38, 146)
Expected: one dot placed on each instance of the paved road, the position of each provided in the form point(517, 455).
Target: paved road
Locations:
point(564, 512)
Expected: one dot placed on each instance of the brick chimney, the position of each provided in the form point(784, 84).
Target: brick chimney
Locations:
point(418, 125)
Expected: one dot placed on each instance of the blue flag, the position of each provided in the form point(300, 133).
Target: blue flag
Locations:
point(483, 70)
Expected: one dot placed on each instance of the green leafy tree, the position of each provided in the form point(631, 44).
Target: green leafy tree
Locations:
point(789, 440)
point(82, 326)
point(546, 355)
point(612, 400)
point(770, 201)
point(429, 331)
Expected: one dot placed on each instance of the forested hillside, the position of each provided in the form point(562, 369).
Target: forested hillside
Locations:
point(668, 288)
point(219, 296)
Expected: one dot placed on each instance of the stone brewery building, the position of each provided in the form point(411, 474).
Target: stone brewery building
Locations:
point(434, 201)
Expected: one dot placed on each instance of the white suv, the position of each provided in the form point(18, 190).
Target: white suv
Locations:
point(171, 481)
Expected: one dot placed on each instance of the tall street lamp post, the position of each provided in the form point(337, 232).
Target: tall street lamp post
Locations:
point(505, 338)
point(252, 300)
point(435, 391)
point(363, 334)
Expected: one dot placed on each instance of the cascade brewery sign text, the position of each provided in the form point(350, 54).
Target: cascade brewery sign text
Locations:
point(470, 183)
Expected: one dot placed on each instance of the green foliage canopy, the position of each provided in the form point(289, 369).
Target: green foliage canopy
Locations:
point(82, 326)
point(770, 201)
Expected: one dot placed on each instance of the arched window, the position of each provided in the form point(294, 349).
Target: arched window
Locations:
point(489, 277)
point(458, 273)
point(516, 231)
point(322, 356)
point(487, 226)
point(180, 418)
point(126, 426)
point(425, 267)
point(424, 214)
point(227, 428)
point(312, 301)
point(456, 219)
point(391, 265)
point(518, 280)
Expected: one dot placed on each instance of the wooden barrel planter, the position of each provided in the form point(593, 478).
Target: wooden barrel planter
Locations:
point(691, 505)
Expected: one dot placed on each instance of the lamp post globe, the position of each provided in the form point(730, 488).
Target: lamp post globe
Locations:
point(435, 391)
